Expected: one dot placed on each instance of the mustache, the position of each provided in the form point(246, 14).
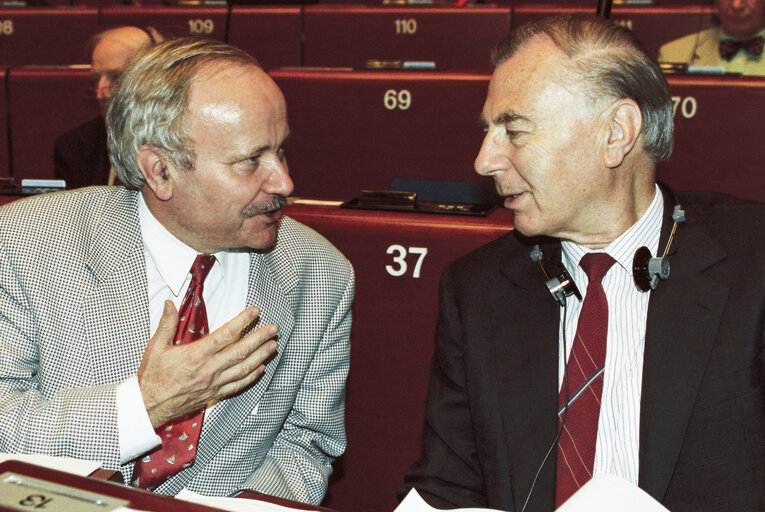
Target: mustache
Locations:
point(276, 202)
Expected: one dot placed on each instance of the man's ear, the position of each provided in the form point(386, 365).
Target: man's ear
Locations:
point(153, 167)
point(624, 127)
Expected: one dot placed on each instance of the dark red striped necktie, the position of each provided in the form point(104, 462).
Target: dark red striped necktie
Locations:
point(585, 367)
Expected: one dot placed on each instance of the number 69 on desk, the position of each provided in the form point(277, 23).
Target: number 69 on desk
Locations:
point(400, 252)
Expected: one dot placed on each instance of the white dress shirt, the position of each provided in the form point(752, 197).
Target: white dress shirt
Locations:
point(168, 261)
point(616, 449)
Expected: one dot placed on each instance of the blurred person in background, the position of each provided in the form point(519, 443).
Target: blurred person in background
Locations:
point(735, 45)
point(80, 156)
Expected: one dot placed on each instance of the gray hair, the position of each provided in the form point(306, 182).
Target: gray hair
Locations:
point(612, 62)
point(149, 103)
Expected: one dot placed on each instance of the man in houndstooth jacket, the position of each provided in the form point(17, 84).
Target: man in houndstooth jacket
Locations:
point(91, 279)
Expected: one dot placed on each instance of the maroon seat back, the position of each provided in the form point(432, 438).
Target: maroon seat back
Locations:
point(354, 130)
point(398, 258)
point(455, 39)
point(272, 34)
point(718, 136)
point(5, 163)
point(653, 26)
point(46, 35)
point(170, 21)
point(43, 104)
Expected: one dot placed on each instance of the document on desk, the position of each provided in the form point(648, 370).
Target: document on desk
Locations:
point(233, 504)
point(604, 493)
point(66, 464)
point(413, 502)
point(609, 492)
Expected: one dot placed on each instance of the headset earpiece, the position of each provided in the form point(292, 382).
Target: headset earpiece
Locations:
point(560, 285)
point(647, 270)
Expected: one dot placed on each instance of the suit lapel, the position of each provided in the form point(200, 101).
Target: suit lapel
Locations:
point(683, 315)
point(524, 327)
point(706, 52)
point(116, 310)
point(271, 282)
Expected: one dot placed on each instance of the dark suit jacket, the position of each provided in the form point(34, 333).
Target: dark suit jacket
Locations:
point(490, 416)
point(80, 155)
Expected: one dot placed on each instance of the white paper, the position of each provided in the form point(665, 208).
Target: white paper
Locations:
point(605, 493)
point(67, 464)
point(232, 504)
point(413, 502)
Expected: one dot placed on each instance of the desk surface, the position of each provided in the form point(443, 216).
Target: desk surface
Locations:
point(137, 498)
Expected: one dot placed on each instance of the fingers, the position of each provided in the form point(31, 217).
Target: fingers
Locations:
point(249, 359)
point(233, 330)
point(175, 380)
point(229, 360)
point(163, 336)
point(168, 324)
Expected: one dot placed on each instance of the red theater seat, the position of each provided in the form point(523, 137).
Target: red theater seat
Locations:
point(272, 34)
point(653, 26)
point(142, 3)
point(718, 136)
point(46, 35)
point(452, 38)
point(170, 21)
point(563, 3)
point(398, 259)
point(354, 130)
point(5, 169)
point(44, 103)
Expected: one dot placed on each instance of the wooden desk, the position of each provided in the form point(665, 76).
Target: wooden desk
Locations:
point(137, 498)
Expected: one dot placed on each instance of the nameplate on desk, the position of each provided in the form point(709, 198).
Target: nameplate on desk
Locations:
point(25, 493)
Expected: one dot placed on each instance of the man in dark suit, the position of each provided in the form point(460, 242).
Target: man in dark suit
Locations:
point(80, 156)
point(576, 118)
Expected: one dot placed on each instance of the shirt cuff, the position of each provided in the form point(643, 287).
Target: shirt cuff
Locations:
point(137, 436)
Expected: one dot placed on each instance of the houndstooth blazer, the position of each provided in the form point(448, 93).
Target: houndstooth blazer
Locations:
point(74, 323)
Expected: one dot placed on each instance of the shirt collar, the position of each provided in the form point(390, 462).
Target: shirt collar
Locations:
point(171, 257)
point(645, 232)
point(725, 36)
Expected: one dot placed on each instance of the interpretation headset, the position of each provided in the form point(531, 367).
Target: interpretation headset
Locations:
point(646, 269)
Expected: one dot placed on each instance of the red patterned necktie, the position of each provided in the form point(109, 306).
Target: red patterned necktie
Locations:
point(179, 436)
point(576, 446)
point(730, 47)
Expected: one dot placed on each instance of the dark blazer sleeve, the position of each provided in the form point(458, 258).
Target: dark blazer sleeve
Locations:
point(447, 475)
point(80, 156)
